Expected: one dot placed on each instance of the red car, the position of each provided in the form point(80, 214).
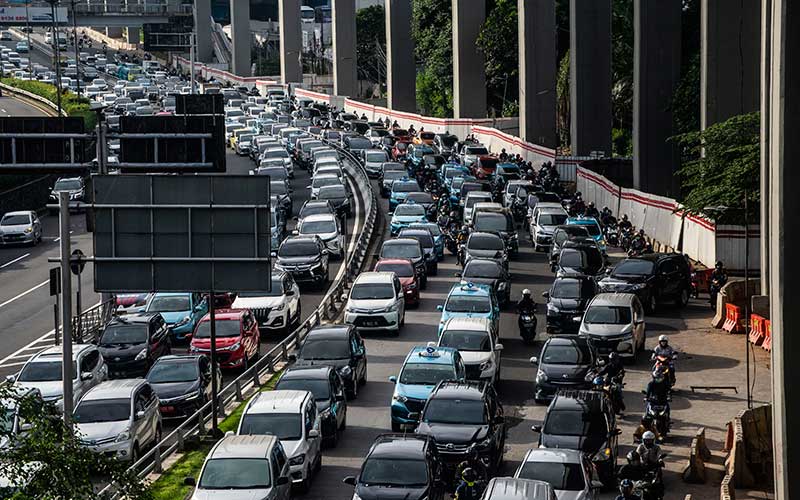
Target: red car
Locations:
point(485, 166)
point(400, 150)
point(238, 339)
point(405, 273)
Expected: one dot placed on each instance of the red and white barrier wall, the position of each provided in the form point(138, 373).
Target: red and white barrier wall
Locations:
point(594, 187)
point(730, 246)
point(655, 214)
point(699, 235)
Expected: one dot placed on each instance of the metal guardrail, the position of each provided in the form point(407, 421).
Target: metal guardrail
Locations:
point(86, 328)
point(132, 7)
point(253, 378)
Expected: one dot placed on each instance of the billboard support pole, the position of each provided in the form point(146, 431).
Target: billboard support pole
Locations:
point(214, 368)
point(66, 306)
point(77, 53)
point(191, 64)
point(56, 55)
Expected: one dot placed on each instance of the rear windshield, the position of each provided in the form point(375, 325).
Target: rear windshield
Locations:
point(608, 315)
point(561, 476)
point(492, 222)
point(574, 423)
point(124, 334)
point(401, 251)
point(402, 270)
point(634, 267)
point(552, 219)
point(298, 249)
point(466, 340)
point(478, 242)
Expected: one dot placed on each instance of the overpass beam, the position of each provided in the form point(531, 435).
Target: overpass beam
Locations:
point(656, 71)
point(114, 32)
point(345, 80)
point(537, 71)
point(240, 37)
point(291, 41)
point(204, 50)
point(469, 66)
point(401, 83)
point(590, 76)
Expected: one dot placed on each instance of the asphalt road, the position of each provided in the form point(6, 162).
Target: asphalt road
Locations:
point(13, 107)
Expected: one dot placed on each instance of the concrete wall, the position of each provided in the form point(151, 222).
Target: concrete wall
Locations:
point(344, 47)
point(400, 69)
point(469, 65)
point(537, 71)
point(204, 51)
point(241, 62)
point(291, 41)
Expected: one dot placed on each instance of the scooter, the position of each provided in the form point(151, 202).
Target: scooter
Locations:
point(666, 365)
point(659, 411)
point(527, 327)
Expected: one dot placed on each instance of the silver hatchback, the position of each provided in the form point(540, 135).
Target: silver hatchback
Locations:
point(615, 322)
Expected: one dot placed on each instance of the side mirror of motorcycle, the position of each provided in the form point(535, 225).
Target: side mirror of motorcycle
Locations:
point(534, 360)
point(597, 485)
point(644, 392)
point(536, 428)
point(617, 431)
point(546, 294)
point(608, 270)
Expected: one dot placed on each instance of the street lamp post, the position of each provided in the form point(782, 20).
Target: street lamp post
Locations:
point(28, 35)
point(55, 54)
point(77, 54)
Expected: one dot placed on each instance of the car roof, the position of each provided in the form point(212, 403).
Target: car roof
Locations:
point(654, 257)
point(567, 340)
point(404, 262)
point(579, 400)
point(433, 355)
point(330, 331)
point(554, 455)
point(613, 299)
point(375, 277)
point(469, 288)
point(581, 221)
point(399, 446)
point(470, 324)
point(225, 314)
point(278, 401)
point(255, 446)
point(453, 389)
point(56, 352)
point(19, 212)
point(401, 241)
point(485, 235)
point(114, 389)
point(307, 372)
point(509, 488)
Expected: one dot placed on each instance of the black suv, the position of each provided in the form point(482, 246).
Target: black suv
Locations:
point(583, 421)
point(580, 260)
point(567, 300)
point(426, 241)
point(182, 383)
point(305, 258)
point(459, 415)
point(400, 466)
point(131, 344)
point(491, 273)
point(565, 363)
point(409, 249)
point(328, 389)
point(339, 346)
point(654, 278)
point(566, 233)
point(500, 223)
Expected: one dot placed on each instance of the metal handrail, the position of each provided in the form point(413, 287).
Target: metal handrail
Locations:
point(251, 379)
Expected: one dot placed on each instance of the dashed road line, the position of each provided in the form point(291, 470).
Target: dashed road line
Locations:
point(26, 292)
point(15, 260)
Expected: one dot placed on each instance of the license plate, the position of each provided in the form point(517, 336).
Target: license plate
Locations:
point(167, 409)
point(370, 323)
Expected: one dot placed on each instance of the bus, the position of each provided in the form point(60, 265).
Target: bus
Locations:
point(129, 72)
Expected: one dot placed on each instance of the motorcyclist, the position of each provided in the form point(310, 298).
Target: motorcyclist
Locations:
point(718, 279)
point(626, 491)
point(658, 388)
point(525, 306)
point(591, 210)
point(646, 425)
point(625, 224)
point(613, 368)
point(638, 243)
point(470, 488)
point(664, 349)
point(605, 216)
point(649, 452)
point(412, 130)
point(503, 155)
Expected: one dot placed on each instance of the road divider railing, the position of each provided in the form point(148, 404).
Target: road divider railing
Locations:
point(197, 425)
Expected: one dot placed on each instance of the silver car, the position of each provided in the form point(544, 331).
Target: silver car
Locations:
point(327, 228)
point(20, 227)
point(615, 322)
point(569, 472)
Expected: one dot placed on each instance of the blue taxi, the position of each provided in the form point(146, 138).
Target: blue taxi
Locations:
point(593, 227)
point(448, 171)
point(470, 300)
point(436, 233)
point(400, 190)
point(405, 214)
point(417, 153)
point(424, 367)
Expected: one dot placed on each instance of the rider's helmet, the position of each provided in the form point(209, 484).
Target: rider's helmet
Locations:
point(598, 382)
point(591, 204)
point(649, 439)
point(658, 376)
point(626, 487)
point(641, 232)
point(718, 266)
point(663, 340)
point(468, 475)
point(526, 293)
point(613, 356)
point(624, 216)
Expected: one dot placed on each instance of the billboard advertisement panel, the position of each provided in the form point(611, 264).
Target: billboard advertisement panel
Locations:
point(34, 15)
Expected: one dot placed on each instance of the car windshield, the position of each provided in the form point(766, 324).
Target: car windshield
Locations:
point(574, 423)
point(409, 210)
point(298, 249)
point(376, 156)
point(332, 192)
point(320, 388)
point(359, 143)
point(235, 474)
point(608, 315)
point(275, 153)
point(487, 242)
point(284, 426)
point(224, 328)
point(169, 303)
point(276, 291)
point(392, 175)
point(592, 229)
point(566, 289)
point(572, 258)
point(566, 354)
point(477, 151)
point(492, 222)
point(402, 270)
point(401, 251)
point(426, 373)
point(448, 140)
point(405, 187)
point(434, 229)
point(277, 188)
point(419, 198)
point(634, 267)
point(176, 370)
point(246, 137)
point(44, 371)
point(67, 185)
point(325, 349)
point(318, 227)
point(552, 219)
point(466, 340)
point(372, 291)
point(273, 172)
point(15, 220)
point(102, 410)
point(454, 411)
point(424, 238)
point(394, 472)
point(124, 334)
point(325, 180)
point(561, 476)
point(569, 232)
point(468, 304)
point(478, 269)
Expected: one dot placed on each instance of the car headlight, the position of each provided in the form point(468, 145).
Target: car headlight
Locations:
point(193, 348)
point(486, 365)
point(638, 286)
point(28, 229)
point(552, 308)
point(345, 371)
point(602, 242)
point(541, 376)
point(391, 308)
point(234, 347)
point(142, 354)
point(412, 286)
point(184, 321)
point(399, 398)
point(280, 307)
point(123, 436)
point(298, 460)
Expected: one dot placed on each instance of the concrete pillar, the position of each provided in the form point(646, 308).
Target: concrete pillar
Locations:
point(291, 41)
point(765, 73)
point(241, 62)
point(537, 71)
point(469, 66)
point(114, 32)
point(656, 70)
point(729, 59)
point(132, 35)
point(345, 79)
point(590, 76)
point(783, 101)
point(204, 50)
point(401, 82)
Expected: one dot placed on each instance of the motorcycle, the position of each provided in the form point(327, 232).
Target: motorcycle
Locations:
point(626, 235)
point(659, 411)
point(713, 291)
point(450, 243)
point(473, 460)
point(527, 326)
point(666, 365)
point(648, 483)
point(613, 387)
point(612, 234)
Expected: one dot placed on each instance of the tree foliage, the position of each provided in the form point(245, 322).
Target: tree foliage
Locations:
point(498, 39)
point(371, 43)
point(721, 166)
point(432, 31)
point(622, 76)
point(562, 104)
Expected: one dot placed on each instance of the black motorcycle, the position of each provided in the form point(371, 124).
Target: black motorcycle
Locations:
point(713, 290)
point(611, 234)
point(648, 482)
point(614, 387)
point(527, 326)
point(476, 463)
point(659, 412)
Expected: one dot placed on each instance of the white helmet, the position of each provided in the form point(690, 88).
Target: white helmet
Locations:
point(526, 292)
point(663, 338)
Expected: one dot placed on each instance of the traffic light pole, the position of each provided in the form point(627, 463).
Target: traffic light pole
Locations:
point(66, 306)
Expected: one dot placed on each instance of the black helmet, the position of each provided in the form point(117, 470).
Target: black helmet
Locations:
point(591, 204)
point(624, 216)
point(469, 475)
point(614, 355)
point(626, 486)
point(718, 265)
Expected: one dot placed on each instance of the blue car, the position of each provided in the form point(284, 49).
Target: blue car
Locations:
point(593, 227)
point(449, 171)
point(405, 214)
point(470, 300)
point(400, 190)
point(454, 188)
point(423, 368)
point(436, 233)
point(182, 311)
point(417, 153)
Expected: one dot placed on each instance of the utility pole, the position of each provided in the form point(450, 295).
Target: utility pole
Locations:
point(28, 35)
point(66, 306)
point(77, 54)
point(56, 56)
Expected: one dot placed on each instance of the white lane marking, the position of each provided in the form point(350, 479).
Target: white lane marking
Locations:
point(19, 363)
point(15, 260)
point(26, 292)
point(3, 110)
point(15, 354)
point(59, 238)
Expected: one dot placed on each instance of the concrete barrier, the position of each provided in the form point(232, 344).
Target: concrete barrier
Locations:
point(733, 293)
point(749, 441)
point(699, 454)
point(726, 489)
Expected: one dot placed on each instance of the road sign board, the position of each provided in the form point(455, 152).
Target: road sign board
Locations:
point(77, 263)
point(55, 281)
point(199, 104)
point(43, 145)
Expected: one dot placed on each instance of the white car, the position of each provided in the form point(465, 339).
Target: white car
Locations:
point(44, 372)
point(279, 152)
point(376, 302)
point(119, 418)
point(99, 82)
point(320, 180)
point(476, 340)
point(511, 190)
point(20, 227)
point(569, 472)
point(543, 224)
point(277, 310)
point(292, 417)
point(373, 161)
point(327, 228)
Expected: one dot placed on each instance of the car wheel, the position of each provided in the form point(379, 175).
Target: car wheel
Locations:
point(353, 393)
point(318, 465)
point(683, 298)
point(135, 453)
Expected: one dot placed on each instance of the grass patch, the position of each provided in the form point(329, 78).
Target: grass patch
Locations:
point(71, 103)
point(169, 486)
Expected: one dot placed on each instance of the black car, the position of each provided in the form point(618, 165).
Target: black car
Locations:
point(655, 278)
point(426, 241)
point(339, 196)
point(182, 383)
point(564, 363)
point(490, 246)
point(580, 260)
point(305, 258)
point(279, 191)
point(459, 415)
point(131, 344)
point(327, 387)
point(501, 223)
point(387, 178)
point(566, 301)
point(356, 144)
point(489, 272)
point(399, 466)
point(566, 233)
point(315, 207)
point(339, 346)
point(409, 249)
point(583, 421)
point(445, 143)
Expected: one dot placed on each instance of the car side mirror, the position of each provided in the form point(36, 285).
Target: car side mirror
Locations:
point(87, 376)
point(139, 414)
point(273, 254)
point(534, 360)
point(289, 293)
point(608, 271)
point(498, 347)
point(325, 251)
point(351, 480)
point(340, 397)
point(536, 428)
point(393, 379)
point(283, 480)
point(292, 357)
point(313, 434)
point(577, 318)
point(10, 379)
point(189, 481)
point(546, 295)
point(440, 308)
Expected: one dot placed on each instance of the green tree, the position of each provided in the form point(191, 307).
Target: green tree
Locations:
point(432, 31)
point(49, 462)
point(622, 76)
point(498, 39)
point(720, 165)
point(371, 44)
point(562, 103)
